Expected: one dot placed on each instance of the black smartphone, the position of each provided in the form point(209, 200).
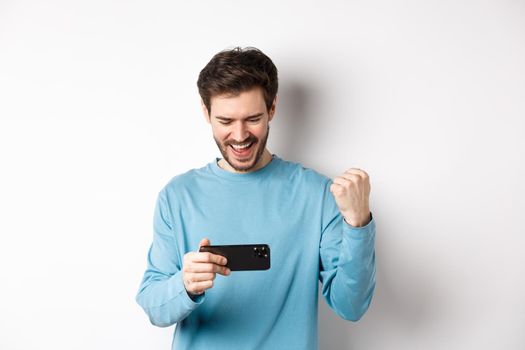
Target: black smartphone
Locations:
point(242, 257)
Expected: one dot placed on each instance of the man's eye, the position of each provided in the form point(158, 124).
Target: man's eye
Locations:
point(251, 121)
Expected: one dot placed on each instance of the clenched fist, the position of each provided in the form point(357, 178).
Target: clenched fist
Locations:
point(199, 269)
point(351, 192)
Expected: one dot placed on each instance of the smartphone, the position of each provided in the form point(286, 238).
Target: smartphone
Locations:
point(242, 257)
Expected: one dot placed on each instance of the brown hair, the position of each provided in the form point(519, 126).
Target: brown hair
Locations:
point(238, 70)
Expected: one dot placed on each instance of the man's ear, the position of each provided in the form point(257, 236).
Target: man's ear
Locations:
point(272, 109)
point(205, 112)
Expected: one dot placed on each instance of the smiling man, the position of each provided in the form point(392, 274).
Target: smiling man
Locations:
point(317, 229)
point(247, 121)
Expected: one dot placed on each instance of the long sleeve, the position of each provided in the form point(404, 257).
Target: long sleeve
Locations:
point(347, 258)
point(162, 294)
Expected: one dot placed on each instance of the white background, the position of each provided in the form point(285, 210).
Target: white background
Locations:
point(99, 109)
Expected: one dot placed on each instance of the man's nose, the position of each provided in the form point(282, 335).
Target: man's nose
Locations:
point(240, 132)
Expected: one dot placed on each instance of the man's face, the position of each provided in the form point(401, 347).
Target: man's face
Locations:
point(239, 121)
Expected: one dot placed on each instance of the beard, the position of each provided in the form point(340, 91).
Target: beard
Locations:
point(249, 163)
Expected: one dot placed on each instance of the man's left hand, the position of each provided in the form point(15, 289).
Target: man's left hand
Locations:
point(351, 191)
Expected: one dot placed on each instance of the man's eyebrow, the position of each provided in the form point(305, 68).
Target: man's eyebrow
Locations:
point(248, 117)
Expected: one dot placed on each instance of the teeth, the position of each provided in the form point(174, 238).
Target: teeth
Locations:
point(242, 146)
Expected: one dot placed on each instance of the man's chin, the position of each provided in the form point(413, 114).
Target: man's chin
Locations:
point(239, 164)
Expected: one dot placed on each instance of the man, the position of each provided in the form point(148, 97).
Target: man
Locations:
point(316, 228)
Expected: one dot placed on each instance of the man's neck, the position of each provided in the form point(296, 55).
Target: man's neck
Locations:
point(265, 159)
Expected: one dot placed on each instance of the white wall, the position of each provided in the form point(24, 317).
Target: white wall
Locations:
point(99, 109)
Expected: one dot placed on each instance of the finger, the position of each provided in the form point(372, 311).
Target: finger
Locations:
point(199, 277)
point(206, 267)
point(199, 287)
point(204, 242)
point(336, 189)
point(223, 271)
point(352, 177)
point(357, 171)
point(341, 181)
point(207, 257)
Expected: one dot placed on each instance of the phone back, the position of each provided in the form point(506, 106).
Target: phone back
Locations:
point(242, 257)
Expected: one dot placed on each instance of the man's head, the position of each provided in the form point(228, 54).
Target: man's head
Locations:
point(238, 91)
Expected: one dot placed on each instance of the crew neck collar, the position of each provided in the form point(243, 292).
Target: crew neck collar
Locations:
point(217, 170)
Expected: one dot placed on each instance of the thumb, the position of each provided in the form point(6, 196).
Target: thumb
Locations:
point(203, 242)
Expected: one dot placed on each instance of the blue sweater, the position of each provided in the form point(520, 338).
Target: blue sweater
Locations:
point(285, 205)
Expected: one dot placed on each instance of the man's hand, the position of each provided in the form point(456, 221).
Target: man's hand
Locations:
point(351, 192)
point(199, 269)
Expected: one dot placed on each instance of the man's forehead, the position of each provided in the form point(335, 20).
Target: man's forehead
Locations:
point(242, 105)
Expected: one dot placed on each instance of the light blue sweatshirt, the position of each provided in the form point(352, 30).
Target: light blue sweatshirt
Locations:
point(285, 205)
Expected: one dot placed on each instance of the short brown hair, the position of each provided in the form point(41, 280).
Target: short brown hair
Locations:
point(238, 70)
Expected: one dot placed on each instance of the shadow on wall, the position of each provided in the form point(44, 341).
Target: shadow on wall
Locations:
point(404, 300)
point(293, 129)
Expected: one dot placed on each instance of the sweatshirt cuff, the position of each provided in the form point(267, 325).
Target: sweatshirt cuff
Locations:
point(359, 232)
point(177, 286)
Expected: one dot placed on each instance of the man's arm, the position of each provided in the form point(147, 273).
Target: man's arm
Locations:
point(162, 294)
point(347, 258)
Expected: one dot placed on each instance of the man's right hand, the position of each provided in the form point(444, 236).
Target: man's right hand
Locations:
point(199, 269)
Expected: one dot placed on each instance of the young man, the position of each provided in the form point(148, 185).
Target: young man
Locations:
point(316, 228)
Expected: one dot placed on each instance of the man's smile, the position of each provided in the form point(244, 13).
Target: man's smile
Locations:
point(243, 150)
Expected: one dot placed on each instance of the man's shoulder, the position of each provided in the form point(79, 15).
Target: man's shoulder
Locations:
point(183, 180)
point(297, 170)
